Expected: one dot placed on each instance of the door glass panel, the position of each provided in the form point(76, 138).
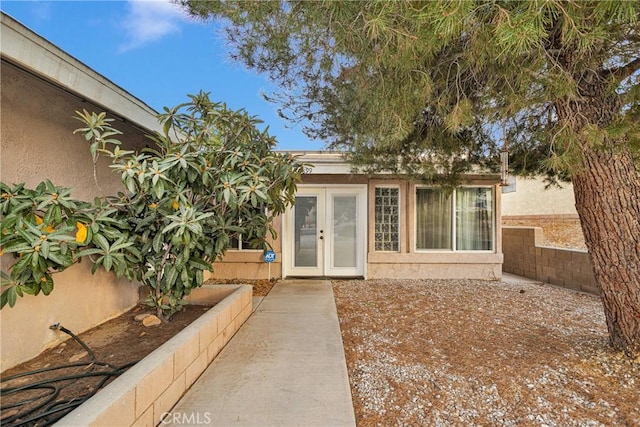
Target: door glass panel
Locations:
point(306, 231)
point(344, 231)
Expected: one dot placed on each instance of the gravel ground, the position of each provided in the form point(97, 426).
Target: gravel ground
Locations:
point(468, 352)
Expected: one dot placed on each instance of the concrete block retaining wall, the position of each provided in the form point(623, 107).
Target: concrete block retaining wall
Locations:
point(144, 394)
point(525, 256)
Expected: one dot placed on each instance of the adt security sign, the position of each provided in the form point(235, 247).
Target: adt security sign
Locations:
point(269, 256)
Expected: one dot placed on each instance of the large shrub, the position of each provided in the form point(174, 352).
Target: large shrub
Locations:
point(48, 230)
point(211, 176)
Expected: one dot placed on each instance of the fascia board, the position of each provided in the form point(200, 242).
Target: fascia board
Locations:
point(29, 51)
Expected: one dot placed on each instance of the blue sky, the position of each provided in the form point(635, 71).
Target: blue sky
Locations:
point(155, 52)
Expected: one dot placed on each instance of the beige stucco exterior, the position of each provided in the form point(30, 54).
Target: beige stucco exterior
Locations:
point(38, 141)
point(79, 302)
point(532, 199)
point(408, 262)
point(249, 264)
point(41, 89)
point(411, 263)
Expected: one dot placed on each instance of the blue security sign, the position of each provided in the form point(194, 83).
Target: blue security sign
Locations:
point(269, 256)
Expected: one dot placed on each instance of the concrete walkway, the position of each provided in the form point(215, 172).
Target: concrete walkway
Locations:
point(512, 278)
point(284, 367)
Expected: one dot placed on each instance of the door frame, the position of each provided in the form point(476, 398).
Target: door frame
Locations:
point(287, 233)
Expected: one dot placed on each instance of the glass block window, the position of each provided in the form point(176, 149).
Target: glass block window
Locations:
point(387, 219)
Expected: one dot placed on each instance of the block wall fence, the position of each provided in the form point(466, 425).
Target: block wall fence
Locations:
point(525, 256)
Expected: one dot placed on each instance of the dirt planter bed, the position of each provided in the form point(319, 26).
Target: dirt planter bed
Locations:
point(147, 391)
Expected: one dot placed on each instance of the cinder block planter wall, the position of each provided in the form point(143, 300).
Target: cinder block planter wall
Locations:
point(525, 256)
point(144, 394)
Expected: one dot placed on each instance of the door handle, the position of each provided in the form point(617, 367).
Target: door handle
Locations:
point(321, 237)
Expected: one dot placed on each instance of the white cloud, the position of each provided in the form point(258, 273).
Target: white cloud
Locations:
point(148, 21)
point(41, 10)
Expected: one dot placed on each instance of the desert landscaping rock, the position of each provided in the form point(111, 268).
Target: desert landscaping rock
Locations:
point(141, 317)
point(471, 352)
point(151, 320)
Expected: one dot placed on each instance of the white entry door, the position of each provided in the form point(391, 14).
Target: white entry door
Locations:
point(326, 232)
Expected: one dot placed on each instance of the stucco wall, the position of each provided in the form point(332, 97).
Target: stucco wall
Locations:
point(410, 263)
point(37, 143)
point(250, 264)
point(78, 302)
point(251, 267)
point(434, 270)
point(531, 198)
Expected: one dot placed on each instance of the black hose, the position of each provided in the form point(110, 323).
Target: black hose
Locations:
point(55, 368)
point(59, 327)
point(44, 409)
point(27, 400)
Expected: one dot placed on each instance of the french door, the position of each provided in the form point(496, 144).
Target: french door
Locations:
point(326, 232)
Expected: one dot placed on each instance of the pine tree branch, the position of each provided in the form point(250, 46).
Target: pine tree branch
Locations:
point(621, 73)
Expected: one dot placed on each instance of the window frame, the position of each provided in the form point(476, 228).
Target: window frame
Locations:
point(399, 223)
point(241, 240)
point(454, 222)
point(240, 248)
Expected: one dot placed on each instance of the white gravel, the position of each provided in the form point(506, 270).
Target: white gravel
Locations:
point(468, 352)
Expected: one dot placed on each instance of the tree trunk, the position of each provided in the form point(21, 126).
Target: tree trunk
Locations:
point(607, 192)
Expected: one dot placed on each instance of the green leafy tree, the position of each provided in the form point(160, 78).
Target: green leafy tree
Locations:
point(442, 86)
point(209, 177)
point(48, 231)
